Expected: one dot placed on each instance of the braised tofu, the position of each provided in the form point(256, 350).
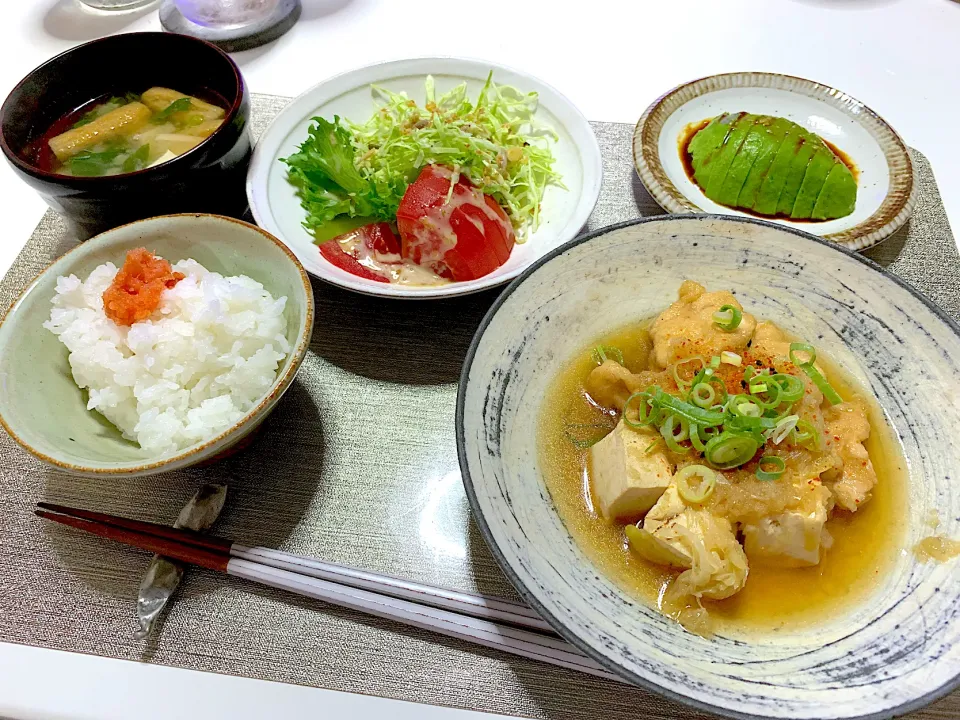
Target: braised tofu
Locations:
point(698, 540)
point(630, 471)
point(793, 538)
point(686, 328)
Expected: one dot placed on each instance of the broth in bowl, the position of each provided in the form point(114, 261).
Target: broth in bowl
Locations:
point(784, 502)
point(121, 134)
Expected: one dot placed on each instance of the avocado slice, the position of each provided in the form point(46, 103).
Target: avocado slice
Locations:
point(706, 143)
point(838, 196)
point(775, 133)
point(770, 165)
point(809, 145)
point(746, 156)
point(728, 151)
point(819, 167)
point(772, 185)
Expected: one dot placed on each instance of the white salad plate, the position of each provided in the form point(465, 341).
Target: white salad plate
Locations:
point(564, 212)
point(887, 187)
point(891, 651)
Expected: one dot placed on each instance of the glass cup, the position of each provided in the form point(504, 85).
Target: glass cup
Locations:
point(116, 4)
point(224, 13)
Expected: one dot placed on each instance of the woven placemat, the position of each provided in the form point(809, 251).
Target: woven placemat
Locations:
point(356, 465)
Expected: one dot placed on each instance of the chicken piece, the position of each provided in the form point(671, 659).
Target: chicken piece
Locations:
point(630, 470)
point(853, 477)
point(697, 540)
point(770, 344)
point(772, 347)
point(686, 328)
point(792, 538)
point(611, 384)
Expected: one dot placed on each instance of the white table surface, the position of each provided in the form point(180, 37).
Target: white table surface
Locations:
point(612, 59)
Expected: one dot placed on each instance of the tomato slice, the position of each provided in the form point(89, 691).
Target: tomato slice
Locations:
point(380, 238)
point(374, 239)
point(466, 238)
point(332, 251)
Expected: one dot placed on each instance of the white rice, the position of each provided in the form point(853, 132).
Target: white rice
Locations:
point(206, 356)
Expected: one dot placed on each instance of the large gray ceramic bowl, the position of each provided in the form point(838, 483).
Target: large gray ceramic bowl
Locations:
point(893, 652)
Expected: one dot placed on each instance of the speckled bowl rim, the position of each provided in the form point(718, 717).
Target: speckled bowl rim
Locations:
point(894, 211)
point(194, 453)
point(487, 533)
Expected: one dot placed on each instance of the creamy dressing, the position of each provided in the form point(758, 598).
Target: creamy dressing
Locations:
point(436, 223)
point(400, 271)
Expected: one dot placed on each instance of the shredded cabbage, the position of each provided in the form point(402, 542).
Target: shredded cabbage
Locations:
point(364, 169)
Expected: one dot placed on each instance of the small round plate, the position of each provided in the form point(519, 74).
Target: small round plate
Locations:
point(276, 207)
point(887, 187)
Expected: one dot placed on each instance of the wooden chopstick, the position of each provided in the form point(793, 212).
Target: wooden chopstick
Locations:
point(479, 606)
point(179, 535)
point(163, 546)
point(491, 622)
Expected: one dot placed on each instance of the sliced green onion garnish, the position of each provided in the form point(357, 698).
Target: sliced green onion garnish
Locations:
point(749, 409)
point(728, 318)
point(602, 352)
point(773, 414)
point(695, 483)
point(714, 362)
point(721, 387)
point(701, 376)
point(695, 439)
point(681, 383)
point(795, 358)
point(784, 427)
point(731, 358)
point(750, 424)
point(807, 434)
point(671, 436)
point(709, 432)
point(729, 450)
point(791, 387)
point(766, 394)
point(743, 406)
point(689, 412)
point(774, 467)
point(703, 395)
point(821, 382)
point(808, 367)
point(645, 413)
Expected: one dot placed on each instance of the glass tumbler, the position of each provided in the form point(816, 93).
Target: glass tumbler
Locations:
point(116, 4)
point(224, 13)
